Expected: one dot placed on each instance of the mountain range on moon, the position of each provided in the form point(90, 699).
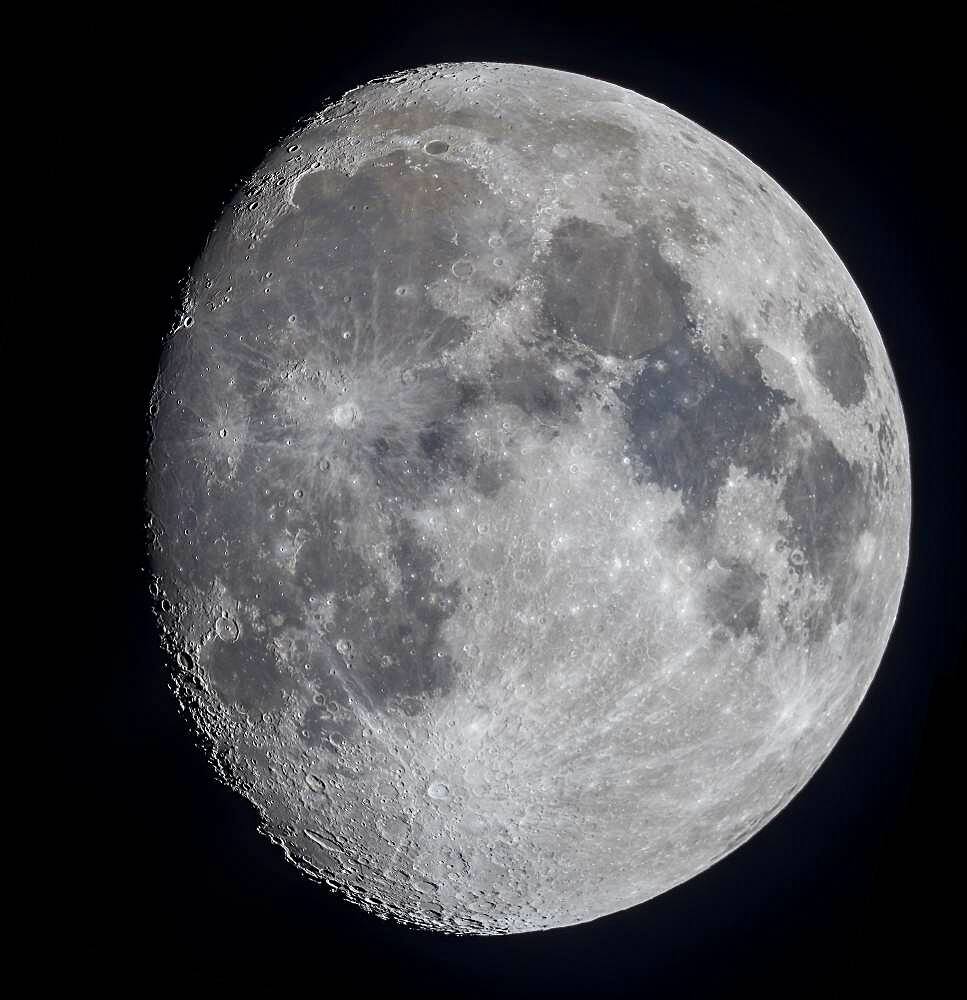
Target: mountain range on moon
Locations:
point(529, 498)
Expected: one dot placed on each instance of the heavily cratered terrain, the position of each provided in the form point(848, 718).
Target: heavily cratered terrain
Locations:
point(529, 497)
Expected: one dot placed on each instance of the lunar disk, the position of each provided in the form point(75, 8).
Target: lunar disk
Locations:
point(529, 498)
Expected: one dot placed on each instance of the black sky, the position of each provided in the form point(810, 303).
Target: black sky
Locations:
point(848, 888)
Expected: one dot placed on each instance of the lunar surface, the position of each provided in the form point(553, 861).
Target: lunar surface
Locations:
point(529, 498)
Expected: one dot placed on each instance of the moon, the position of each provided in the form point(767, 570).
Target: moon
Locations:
point(528, 498)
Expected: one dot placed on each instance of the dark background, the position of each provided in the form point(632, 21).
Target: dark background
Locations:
point(851, 885)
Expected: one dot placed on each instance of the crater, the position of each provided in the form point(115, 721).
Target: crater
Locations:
point(247, 674)
point(839, 359)
point(226, 629)
point(438, 790)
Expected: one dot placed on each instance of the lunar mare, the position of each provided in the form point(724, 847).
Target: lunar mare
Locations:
point(529, 498)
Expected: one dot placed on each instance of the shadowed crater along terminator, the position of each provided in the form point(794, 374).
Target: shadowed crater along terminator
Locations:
point(529, 498)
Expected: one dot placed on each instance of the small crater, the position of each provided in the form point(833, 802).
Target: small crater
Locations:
point(462, 268)
point(438, 790)
point(226, 629)
point(315, 783)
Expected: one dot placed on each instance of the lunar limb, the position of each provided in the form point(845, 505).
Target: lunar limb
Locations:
point(529, 494)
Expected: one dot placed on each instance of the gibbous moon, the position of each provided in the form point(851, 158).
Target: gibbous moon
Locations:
point(529, 498)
